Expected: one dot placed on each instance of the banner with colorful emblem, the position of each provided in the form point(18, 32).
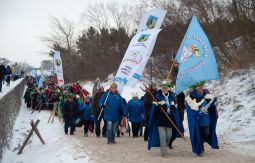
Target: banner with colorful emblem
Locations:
point(58, 68)
point(135, 58)
point(196, 58)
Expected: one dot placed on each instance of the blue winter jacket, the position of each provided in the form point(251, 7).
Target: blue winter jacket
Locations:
point(114, 106)
point(86, 110)
point(8, 70)
point(136, 111)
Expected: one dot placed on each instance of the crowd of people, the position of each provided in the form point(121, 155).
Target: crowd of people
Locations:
point(109, 112)
point(7, 74)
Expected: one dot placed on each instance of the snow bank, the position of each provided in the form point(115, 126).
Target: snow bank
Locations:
point(9, 105)
point(6, 89)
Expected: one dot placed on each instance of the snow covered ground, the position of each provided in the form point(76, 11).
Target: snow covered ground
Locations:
point(6, 89)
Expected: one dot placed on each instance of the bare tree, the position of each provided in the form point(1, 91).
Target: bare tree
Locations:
point(96, 16)
point(111, 14)
point(122, 15)
point(62, 35)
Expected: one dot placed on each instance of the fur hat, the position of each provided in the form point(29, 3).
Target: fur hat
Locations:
point(198, 84)
point(165, 84)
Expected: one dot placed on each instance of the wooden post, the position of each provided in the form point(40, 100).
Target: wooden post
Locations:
point(52, 113)
point(41, 107)
point(37, 131)
point(28, 137)
point(36, 107)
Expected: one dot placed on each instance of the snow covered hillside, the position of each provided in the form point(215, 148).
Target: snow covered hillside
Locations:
point(236, 95)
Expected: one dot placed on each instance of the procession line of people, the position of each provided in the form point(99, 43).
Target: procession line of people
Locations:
point(107, 112)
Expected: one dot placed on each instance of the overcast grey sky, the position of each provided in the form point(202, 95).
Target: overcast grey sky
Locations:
point(23, 22)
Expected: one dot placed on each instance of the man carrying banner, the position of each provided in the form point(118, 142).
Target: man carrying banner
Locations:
point(202, 118)
point(112, 104)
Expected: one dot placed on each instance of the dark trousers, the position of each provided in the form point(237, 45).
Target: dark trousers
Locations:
point(29, 102)
point(146, 131)
point(8, 80)
point(98, 127)
point(135, 128)
point(86, 125)
point(204, 134)
point(1, 83)
point(92, 126)
point(69, 122)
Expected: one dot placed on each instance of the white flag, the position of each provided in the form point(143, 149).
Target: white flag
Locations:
point(58, 68)
point(136, 58)
point(152, 20)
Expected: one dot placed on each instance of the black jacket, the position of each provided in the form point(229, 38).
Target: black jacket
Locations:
point(147, 100)
point(95, 103)
point(69, 110)
point(2, 72)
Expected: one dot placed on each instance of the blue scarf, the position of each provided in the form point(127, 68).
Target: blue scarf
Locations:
point(167, 103)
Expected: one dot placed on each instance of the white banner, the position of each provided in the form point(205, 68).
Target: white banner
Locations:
point(152, 20)
point(58, 68)
point(136, 58)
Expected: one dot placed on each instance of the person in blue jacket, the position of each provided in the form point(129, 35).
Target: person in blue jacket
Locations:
point(202, 122)
point(112, 103)
point(85, 109)
point(161, 130)
point(136, 113)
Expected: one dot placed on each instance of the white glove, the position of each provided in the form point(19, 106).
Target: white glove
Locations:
point(209, 96)
point(193, 104)
point(155, 103)
point(159, 103)
point(162, 102)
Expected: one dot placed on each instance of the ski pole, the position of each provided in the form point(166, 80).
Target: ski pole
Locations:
point(104, 104)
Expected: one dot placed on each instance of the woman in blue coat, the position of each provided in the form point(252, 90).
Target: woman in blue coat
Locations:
point(136, 113)
point(85, 109)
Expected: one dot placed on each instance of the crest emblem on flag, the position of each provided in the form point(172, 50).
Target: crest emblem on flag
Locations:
point(143, 37)
point(189, 51)
point(152, 20)
point(58, 62)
